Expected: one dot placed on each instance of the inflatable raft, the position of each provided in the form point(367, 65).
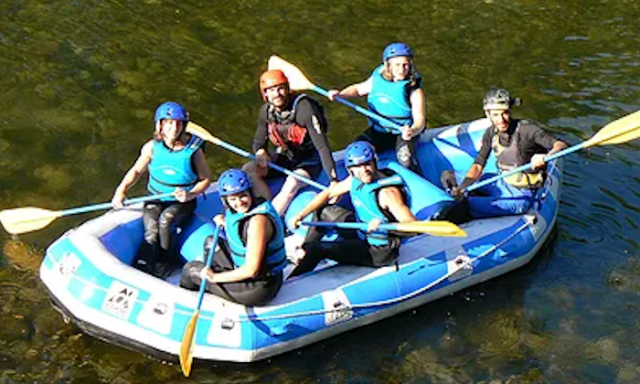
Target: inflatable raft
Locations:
point(89, 277)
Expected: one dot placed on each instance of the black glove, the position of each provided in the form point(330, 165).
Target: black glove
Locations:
point(460, 190)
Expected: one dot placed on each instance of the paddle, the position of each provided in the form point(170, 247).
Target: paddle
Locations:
point(202, 133)
point(27, 219)
point(186, 348)
point(617, 132)
point(299, 82)
point(434, 228)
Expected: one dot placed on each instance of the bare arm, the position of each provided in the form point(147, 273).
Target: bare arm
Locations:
point(133, 175)
point(353, 90)
point(258, 234)
point(333, 191)
point(418, 111)
point(202, 169)
point(391, 199)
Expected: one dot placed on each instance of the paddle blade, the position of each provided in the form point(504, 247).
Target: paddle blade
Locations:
point(434, 228)
point(186, 348)
point(202, 133)
point(27, 219)
point(297, 80)
point(619, 131)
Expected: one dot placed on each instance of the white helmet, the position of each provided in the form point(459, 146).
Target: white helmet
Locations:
point(498, 98)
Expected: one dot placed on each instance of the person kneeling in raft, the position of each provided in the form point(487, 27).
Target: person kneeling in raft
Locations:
point(247, 268)
point(377, 199)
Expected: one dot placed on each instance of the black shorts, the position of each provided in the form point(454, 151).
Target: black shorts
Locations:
point(312, 166)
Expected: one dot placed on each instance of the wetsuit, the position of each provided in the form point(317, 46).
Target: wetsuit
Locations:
point(231, 254)
point(299, 134)
point(513, 148)
point(357, 247)
point(168, 170)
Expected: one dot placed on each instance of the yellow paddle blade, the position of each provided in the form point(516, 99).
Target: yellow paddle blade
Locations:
point(202, 133)
point(27, 219)
point(435, 228)
point(186, 348)
point(297, 80)
point(618, 131)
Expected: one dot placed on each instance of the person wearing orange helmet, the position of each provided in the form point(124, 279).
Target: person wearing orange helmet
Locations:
point(296, 125)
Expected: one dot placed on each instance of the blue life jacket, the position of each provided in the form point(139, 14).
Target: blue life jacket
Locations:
point(275, 257)
point(364, 198)
point(389, 99)
point(169, 169)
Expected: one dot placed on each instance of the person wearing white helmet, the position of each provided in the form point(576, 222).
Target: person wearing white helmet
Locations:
point(514, 142)
point(176, 164)
point(394, 91)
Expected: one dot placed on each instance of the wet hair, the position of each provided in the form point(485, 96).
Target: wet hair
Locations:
point(157, 135)
point(413, 78)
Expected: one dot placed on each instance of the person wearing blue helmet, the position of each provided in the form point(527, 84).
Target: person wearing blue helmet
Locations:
point(247, 268)
point(176, 164)
point(394, 90)
point(376, 199)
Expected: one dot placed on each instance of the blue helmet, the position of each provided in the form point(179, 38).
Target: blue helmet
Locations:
point(396, 49)
point(359, 152)
point(233, 181)
point(171, 110)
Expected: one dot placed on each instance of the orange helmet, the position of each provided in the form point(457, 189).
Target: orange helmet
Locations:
point(271, 79)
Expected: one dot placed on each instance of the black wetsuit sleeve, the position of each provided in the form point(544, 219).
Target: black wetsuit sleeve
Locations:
point(540, 136)
point(310, 116)
point(262, 131)
point(485, 148)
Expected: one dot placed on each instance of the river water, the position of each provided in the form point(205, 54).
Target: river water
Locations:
point(80, 81)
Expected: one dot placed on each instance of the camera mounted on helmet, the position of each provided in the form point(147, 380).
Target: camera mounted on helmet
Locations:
point(499, 99)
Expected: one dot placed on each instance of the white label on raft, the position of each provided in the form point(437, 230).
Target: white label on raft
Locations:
point(157, 314)
point(538, 226)
point(120, 300)
point(225, 330)
point(337, 306)
point(67, 267)
point(457, 263)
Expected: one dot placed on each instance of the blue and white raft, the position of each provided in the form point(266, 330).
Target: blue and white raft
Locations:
point(89, 276)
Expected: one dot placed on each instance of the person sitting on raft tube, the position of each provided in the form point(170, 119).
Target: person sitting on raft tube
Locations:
point(377, 199)
point(296, 125)
point(247, 268)
point(394, 90)
point(176, 164)
point(514, 142)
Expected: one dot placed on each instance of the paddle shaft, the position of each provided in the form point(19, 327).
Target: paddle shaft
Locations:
point(212, 251)
point(528, 166)
point(186, 351)
point(98, 207)
point(397, 127)
point(347, 225)
point(243, 153)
